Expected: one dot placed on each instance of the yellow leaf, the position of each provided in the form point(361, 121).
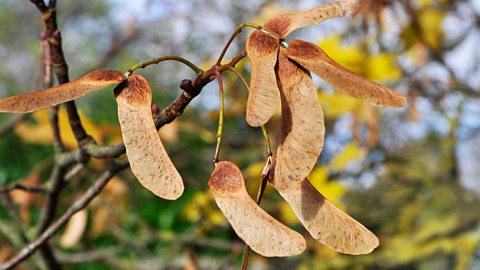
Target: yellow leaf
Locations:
point(466, 249)
point(202, 208)
point(254, 170)
point(252, 177)
point(333, 191)
point(40, 132)
point(287, 215)
point(431, 23)
point(351, 57)
point(217, 218)
point(382, 67)
point(193, 210)
point(351, 152)
point(337, 104)
point(424, 3)
point(378, 67)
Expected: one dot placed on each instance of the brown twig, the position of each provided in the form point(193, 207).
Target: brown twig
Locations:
point(47, 229)
point(49, 209)
point(47, 83)
point(175, 109)
point(60, 67)
point(191, 89)
point(17, 186)
point(55, 58)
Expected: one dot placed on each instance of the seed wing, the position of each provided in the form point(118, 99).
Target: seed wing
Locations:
point(264, 97)
point(303, 127)
point(327, 223)
point(316, 60)
point(259, 230)
point(37, 100)
point(283, 25)
point(148, 159)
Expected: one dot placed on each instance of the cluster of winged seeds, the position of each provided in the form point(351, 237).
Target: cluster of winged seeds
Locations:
point(280, 78)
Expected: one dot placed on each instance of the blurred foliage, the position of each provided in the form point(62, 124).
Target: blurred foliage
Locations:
point(407, 174)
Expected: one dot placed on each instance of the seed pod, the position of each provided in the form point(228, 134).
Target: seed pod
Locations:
point(148, 159)
point(41, 99)
point(327, 223)
point(315, 59)
point(303, 128)
point(264, 97)
point(264, 234)
point(285, 24)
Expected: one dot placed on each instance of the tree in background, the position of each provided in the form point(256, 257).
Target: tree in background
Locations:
point(406, 174)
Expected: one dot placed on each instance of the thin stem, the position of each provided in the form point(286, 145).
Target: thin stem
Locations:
point(232, 37)
point(268, 148)
point(220, 117)
point(263, 127)
point(191, 88)
point(182, 60)
point(261, 190)
point(246, 255)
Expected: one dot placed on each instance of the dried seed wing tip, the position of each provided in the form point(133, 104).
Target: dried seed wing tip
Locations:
point(264, 97)
point(259, 230)
point(315, 59)
point(148, 159)
point(283, 25)
point(37, 100)
point(327, 223)
point(303, 127)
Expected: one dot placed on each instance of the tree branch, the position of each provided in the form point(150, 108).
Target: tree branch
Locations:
point(82, 202)
point(60, 67)
point(17, 186)
point(191, 89)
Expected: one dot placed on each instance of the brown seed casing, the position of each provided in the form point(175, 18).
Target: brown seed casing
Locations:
point(283, 25)
point(327, 223)
point(316, 60)
point(303, 128)
point(37, 100)
point(264, 97)
point(264, 234)
point(148, 159)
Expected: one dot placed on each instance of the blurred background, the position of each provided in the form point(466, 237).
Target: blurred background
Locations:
point(411, 175)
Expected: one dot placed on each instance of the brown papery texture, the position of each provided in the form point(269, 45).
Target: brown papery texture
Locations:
point(303, 127)
point(148, 159)
point(264, 97)
point(327, 223)
point(264, 234)
point(49, 97)
point(283, 25)
point(316, 60)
